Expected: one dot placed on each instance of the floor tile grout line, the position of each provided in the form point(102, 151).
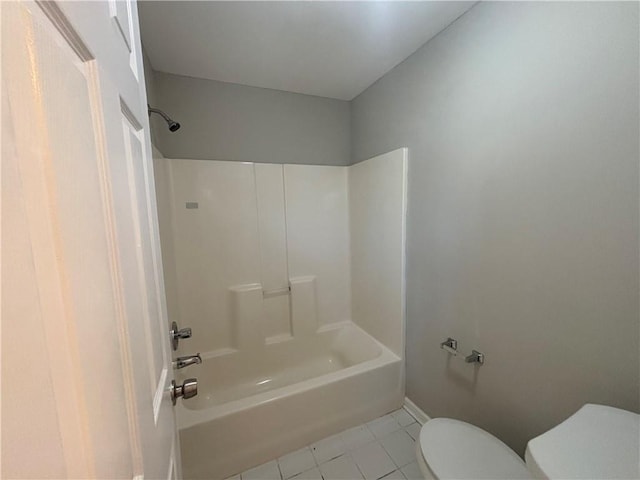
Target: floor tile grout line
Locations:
point(387, 452)
point(399, 466)
point(358, 467)
point(307, 470)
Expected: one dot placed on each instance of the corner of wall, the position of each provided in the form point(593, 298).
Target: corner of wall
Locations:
point(151, 83)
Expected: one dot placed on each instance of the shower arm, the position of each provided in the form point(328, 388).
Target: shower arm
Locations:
point(159, 112)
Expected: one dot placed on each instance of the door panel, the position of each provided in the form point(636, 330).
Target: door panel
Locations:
point(151, 344)
point(38, 394)
point(84, 222)
point(119, 11)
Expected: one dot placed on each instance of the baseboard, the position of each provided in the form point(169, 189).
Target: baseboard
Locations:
point(415, 411)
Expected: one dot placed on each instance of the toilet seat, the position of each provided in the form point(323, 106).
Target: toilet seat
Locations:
point(453, 449)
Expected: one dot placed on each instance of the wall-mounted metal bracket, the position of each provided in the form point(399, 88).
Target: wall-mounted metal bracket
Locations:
point(450, 345)
point(475, 357)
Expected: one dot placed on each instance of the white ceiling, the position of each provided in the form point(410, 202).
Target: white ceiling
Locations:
point(329, 49)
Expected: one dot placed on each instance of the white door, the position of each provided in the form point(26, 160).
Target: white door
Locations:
point(86, 364)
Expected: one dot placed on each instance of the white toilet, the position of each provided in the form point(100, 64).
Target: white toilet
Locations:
point(595, 442)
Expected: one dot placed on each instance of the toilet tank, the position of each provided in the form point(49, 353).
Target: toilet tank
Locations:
point(595, 442)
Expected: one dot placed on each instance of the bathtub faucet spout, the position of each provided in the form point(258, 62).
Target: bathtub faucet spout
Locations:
point(182, 362)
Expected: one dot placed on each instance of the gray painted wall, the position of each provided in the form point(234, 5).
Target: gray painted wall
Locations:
point(522, 126)
point(225, 121)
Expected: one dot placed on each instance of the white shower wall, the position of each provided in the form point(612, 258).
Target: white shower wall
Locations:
point(236, 236)
point(377, 208)
point(318, 235)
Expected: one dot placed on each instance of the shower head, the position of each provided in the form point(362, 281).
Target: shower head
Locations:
point(173, 125)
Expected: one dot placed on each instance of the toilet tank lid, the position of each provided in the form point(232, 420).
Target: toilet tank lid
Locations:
point(595, 442)
point(456, 449)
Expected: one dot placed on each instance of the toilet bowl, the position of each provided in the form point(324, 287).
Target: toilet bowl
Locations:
point(595, 442)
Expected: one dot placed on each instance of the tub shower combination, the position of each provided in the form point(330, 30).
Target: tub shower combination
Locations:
point(291, 278)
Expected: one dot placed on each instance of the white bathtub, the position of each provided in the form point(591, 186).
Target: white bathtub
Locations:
point(254, 406)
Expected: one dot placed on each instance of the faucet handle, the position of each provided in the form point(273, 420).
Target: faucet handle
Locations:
point(183, 333)
point(176, 334)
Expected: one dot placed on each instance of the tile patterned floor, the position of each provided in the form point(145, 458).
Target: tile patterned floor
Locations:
point(381, 449)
